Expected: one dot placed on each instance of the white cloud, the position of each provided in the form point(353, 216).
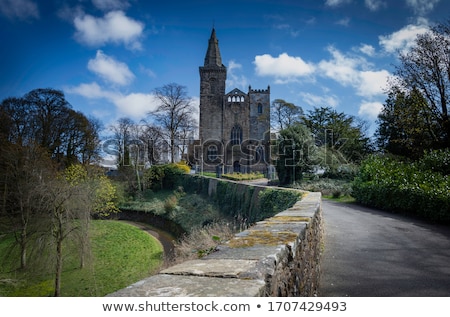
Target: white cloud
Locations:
point(341, 68)
point(422, 7)
point(133, 105)
point(110, 70)
point(20, 9)
point(370, 110)
point(354, 72)
point(403, 39)
point(372, 83)
point(367, 49)
point(114, 27)
point(234, 79)
point(335, 3)
point(319, 101)
point(136, 105)
point(91, 91)
point(374, 5)
point(108, 5)
point(282, 67)
point(347, 70)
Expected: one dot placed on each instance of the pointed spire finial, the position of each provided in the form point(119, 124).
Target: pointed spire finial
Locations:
point(213, 57)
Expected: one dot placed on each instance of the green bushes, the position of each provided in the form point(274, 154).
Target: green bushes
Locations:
point(238, 201)
point(251, 203)
point(193, 201)
point(408, 187)
point(165, 176)
point(243, 177)
point(273, 201)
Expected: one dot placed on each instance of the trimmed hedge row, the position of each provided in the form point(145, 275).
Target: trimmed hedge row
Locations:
point(243, 203)
point(248, 204)
point(409, 188)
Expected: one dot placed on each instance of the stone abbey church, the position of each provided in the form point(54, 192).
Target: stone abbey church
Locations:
point(234, 129)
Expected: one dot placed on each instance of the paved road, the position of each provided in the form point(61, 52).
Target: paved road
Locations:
point(373, 253)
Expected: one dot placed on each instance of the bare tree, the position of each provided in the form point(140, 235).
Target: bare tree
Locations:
point(426, 67)
point(174, 113)
point(23, 170)
point(153, 137)
point(122, 137)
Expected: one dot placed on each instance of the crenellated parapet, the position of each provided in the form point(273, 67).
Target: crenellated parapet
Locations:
point(259, 91)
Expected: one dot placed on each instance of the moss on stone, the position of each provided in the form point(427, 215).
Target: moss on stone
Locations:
point(261, 237)
point(289, 219)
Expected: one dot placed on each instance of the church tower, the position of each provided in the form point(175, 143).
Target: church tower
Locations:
point(213, 75)
point(234, 127)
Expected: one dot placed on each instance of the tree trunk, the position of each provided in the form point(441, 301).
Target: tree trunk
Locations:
point(59, 257)
point(23, 249)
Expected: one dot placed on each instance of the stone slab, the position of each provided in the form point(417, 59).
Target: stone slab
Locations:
point(214, 267)
point(166, 285)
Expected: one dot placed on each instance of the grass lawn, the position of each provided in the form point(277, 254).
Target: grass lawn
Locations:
point(120, 254)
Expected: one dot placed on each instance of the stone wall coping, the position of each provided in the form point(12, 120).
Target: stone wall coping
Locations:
point(249, 262)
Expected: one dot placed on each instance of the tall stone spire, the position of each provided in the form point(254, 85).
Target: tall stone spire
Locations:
point(213, 76)
point(213, 57)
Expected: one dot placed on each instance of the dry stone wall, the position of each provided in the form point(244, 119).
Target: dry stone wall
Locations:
point(279, 256)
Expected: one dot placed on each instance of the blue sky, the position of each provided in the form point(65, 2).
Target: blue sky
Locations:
point(109, 55)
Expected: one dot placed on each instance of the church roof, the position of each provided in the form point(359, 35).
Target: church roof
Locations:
point(213, 57)
point(236, 91)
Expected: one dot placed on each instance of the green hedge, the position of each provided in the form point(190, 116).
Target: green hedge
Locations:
point(166, 176)
point(242, 202)
point(405, 187)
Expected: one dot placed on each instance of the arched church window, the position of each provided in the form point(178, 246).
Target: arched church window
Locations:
point(212, 153)
point(260, 108)
point(236, 135)
point(234, 99)
point(260, 154)
point(229, 99)
point(242, 98)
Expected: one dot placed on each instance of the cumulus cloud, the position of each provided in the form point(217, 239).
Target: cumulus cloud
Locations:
point(422, 7)
point(323, 100)
point(136, 105)
point(372, 83)
point(19, 9)
point(110, 70)
point(341, 68)
point(283, 67)
point(370, 110)
point(114, 27)
point(367, 49)
point(350, 71)
point(133, 105)
point(404, 38)
point(354, 72)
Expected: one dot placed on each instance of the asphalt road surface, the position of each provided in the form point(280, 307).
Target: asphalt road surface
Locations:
point(373, 253)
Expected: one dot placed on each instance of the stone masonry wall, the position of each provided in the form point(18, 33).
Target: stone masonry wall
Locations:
point(279, 256)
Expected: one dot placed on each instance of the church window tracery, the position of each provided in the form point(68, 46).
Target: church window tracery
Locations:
point(236, 135)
